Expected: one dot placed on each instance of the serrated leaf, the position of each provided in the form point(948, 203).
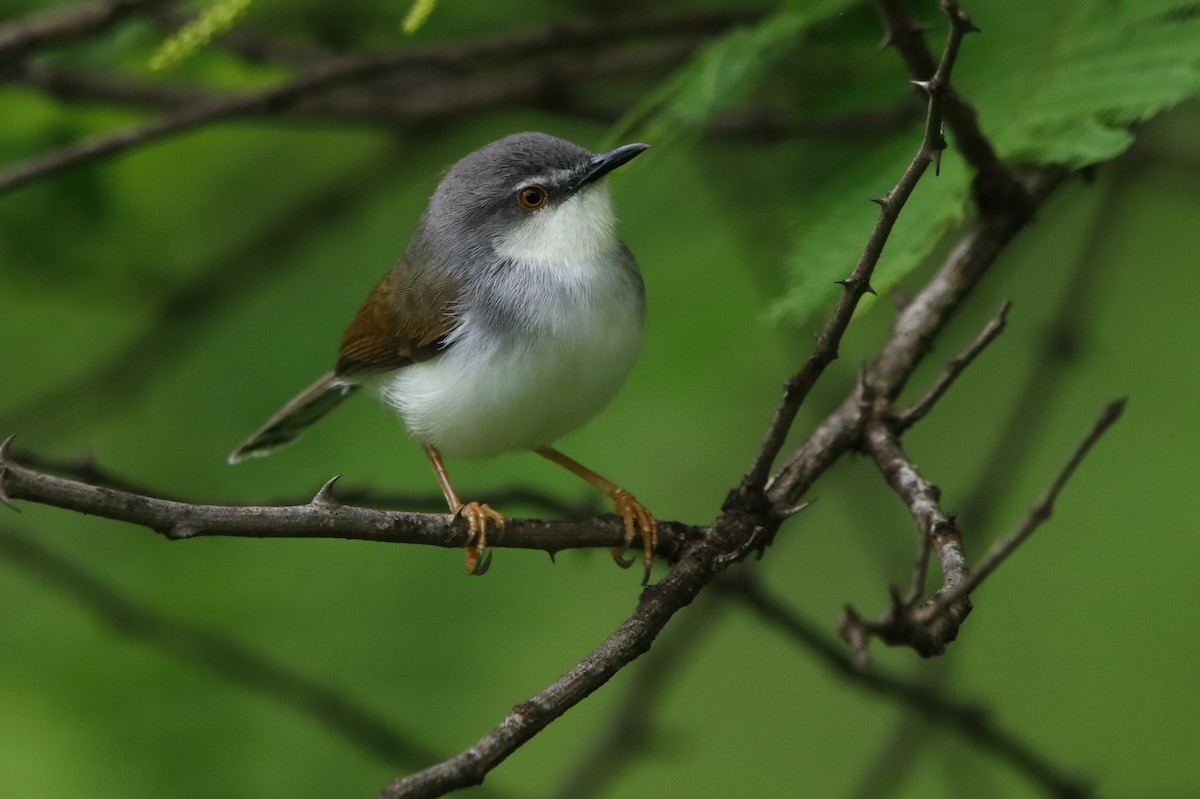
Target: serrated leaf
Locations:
point(1063, 82)
point(1053, 83)
point(838, 218)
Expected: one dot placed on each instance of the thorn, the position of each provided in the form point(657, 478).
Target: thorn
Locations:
point(4, 445)
point(882, 202)
point(324, 497)
point(924, 85)
point(181, 532)
point(852, 282)
point(553, 553)
point(889, 39)
point(962, 20)
point(935, 158)
point(789, 510)
point(870, 290)
point(865, 389)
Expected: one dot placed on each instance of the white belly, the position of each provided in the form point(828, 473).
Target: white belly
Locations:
point(518, 389)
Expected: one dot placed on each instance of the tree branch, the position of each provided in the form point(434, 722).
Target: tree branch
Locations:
point(322, 517)
point(970, 720)
point(1003, 548)
point(858, 284)
point(954, 367)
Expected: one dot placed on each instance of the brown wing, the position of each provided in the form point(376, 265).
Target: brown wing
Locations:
point(404, 319)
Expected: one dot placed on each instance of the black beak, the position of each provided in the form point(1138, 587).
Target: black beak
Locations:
point(604, 163)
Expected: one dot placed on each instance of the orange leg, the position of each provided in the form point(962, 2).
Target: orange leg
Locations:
point(638, 520)
point(476, 514)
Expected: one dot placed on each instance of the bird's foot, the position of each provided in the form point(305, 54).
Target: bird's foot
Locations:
point(639, 522)
point(478, 517)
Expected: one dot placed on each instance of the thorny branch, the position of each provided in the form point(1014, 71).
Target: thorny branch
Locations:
point(971, 721)
point(753, 512)
point(858, 283)
point(322, 517)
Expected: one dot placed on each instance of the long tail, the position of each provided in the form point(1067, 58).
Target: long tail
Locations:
point(305, 409)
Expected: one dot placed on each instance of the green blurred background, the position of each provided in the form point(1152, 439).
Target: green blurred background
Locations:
point(1083, 645)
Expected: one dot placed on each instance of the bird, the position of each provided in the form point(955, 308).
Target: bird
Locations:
point(512, 318)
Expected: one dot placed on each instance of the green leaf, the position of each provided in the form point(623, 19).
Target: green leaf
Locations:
point(1063, 82)
point(1053, 83)
point(837, 217)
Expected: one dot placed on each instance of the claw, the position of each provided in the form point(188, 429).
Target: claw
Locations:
point(638, 522)
point(618, 556)
point(478, 515)
point(481, 564)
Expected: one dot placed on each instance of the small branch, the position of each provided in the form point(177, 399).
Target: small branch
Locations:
point(915, 327)
point(1003, 548)
point(995, 184)
point(86, 469)
point(656, 607)
point(972, 721)
point(954, 367)
point(630, 730)
point(858, 284)
point(320, 518)
point(935, 526)
point(931, 625)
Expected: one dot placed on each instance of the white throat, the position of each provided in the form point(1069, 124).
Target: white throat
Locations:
point(580, 229)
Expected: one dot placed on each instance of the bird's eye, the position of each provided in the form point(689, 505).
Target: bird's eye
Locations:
point(532, 197)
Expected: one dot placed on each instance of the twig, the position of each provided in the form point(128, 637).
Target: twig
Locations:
point(656, 607)
point(1060, 345)
point(226, 659)
point(322, 517)
point(968, 719)
point(954, 367)
point(915, 327)
point(1004, 547)
point(86, 469)
point(995, 184)
point(630, 728)
point(937, 527)
point(858, 283)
